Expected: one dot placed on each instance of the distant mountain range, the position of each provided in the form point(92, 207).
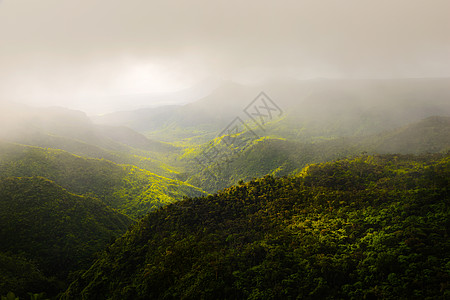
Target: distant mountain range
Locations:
point(311, 109)
point(70, 184)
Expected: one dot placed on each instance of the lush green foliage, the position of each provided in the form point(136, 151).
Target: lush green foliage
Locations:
point(21, 275)
point(127, 188)
point(365, 227)
point(58, 229)
point(252, 158)
point(257, 158)
point(125, 155)
point(370, 227)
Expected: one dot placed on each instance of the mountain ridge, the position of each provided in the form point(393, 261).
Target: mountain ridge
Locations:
point(359, 228)
point(58, 229)
point(127, 188)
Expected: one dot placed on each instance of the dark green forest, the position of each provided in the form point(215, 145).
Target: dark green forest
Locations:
point(235, 150)
point(372, 227)
point(47, 232)
point(304, 209)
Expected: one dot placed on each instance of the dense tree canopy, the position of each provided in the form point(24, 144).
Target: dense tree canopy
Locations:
point(127, 188)
point(369, 227)
point(57, 231)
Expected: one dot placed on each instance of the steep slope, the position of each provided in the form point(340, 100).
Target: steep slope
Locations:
point(222, 165)
point(264, 156)
point(372, 227)
point(74, 132)
point(22, 276)
point(59, 230)
point(126, 188)
point(76, 147)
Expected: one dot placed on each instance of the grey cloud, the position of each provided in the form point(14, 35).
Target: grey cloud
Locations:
point(81, 48)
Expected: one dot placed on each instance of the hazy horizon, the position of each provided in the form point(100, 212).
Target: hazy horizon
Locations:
point(101, 56)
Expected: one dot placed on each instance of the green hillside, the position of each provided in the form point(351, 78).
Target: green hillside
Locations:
point(252, 158)
point(126, 188)
point(139, 158)
point(257, 158)
point(74, 132)
point(373, 227)
point(56, 229)
point(22, 276)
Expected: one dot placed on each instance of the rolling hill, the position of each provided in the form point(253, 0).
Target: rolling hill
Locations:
point(359, 227)
point(22, 275)
point(252, 158)
point(74, 132)
point(130, 190)
point(371, 227)
point(56, 231)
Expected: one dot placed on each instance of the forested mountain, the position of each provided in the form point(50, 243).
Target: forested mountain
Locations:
point(223, 165)
point(224, 150)
point(373, 227)
point(74, 132)
point(311, 109)
point(257, 158)
point(22, 275)
point(358, 227)
point(130, 190)
point(57, 232)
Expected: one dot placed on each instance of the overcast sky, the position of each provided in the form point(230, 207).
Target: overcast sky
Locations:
point(80, 53)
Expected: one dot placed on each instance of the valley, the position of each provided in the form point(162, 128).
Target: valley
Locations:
point(330, 197)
